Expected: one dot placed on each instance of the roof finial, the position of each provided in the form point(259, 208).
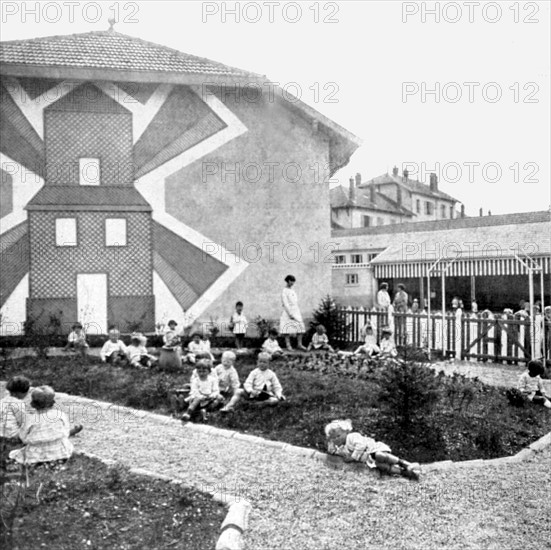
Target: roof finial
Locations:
point(111, 22)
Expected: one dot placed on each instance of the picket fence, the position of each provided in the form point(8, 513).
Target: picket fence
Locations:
point(481, 336)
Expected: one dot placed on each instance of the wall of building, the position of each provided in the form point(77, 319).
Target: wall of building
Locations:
point(349, 218)
point(259, 213)
point(436, 205)
point(360, 294)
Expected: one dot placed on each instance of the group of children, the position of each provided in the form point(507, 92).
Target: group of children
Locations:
point(33, 429)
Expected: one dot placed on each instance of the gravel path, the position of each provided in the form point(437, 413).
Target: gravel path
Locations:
point(302, 504)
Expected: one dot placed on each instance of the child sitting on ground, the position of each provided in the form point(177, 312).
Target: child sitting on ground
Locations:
point(388, 347)
point(205, 393)
point(77, 339)
point(228, 379)
point(369, 347)
point(238, 325)
point(271, 345)
point(114, 350)
point(355, 447)
point(136, 352)
point(530, 384)
point(320, 341)
point(262, 387)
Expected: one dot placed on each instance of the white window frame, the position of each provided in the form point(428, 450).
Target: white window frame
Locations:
point(352, 279)
point(85, 165)
point(66, 232)
point(116, 232)
point(340, 258)
point(356, 258)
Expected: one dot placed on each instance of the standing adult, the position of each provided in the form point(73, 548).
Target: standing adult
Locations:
point(291, 319)
point(383, 297)
point(401, 299)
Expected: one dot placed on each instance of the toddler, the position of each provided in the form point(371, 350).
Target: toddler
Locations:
point(204, 393)
point(261, 387)
point(271, 345)
point(77, 339)
point(171, 338)
point(388, 347)
point(530, 384)
point(136, 352)
point(320, 341)
point(12, 414)
point(228, 379)
point(238, 325)
point(355, 447)
point(114, 350)
point(369, 347)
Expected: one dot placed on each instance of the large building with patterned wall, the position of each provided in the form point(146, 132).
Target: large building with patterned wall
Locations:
point(140, 183)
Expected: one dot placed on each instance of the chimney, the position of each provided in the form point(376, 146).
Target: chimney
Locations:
point(433, 182)
point(462, 210)
point(480, 213)
point(358, 179)
point(399, 196)
point(395, 171)
point(372, 193)
point(405, 174)
point(352, 191)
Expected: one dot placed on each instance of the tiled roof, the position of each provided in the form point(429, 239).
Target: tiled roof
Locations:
point(415, 186)
point(89, 197)
point(481, 237)
point(339, 198)
point(109, 50)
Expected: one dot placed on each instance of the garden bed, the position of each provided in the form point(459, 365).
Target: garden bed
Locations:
point(91, 505)
point(465, 419)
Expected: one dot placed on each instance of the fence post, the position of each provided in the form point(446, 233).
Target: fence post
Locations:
point(458, 336)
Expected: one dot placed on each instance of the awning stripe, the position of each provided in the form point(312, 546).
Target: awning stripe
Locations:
point(461, 268)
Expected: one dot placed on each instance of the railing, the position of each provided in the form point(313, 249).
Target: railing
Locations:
point(481, 336)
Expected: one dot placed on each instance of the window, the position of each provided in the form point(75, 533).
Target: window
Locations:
point(371, 257)
point(367, 221)
point(88, 171)
point(443, 210)
point(428, 208)
point(451, 212)
point(418, 206)
point(352, 279)
point(356, 259)
point(115, 232)
point(66, 232)
point(340, 259)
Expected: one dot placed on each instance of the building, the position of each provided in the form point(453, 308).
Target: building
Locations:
point(139, 182)
point(389, 199)
point(482, 257)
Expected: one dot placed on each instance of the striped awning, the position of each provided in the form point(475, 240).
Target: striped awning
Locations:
point(461, 268)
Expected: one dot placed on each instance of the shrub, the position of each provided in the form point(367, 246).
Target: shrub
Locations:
point(330, 317)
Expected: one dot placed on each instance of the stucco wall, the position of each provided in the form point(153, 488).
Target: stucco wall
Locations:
point(282, 227)
point(363, 294)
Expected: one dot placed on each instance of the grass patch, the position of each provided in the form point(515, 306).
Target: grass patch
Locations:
point(91, 505)
point(462, 419)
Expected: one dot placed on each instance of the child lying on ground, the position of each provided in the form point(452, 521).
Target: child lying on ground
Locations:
point(205, 393)
point(355, 447)
point(530, 384)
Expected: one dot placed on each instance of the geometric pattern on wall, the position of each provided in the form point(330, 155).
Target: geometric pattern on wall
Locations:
point(35, 87)
point(54, 268)
point(140, 91)
point(14, 245)
point(6, 193)
point(180, 113)
point(18, 138)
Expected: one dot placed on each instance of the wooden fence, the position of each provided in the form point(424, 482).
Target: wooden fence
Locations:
point(483, 336)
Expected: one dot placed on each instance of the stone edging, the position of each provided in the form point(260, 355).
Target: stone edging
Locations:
point(236, 520)
point(330, 460)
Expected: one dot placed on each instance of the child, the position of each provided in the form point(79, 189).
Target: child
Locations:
point(238, 325)
point(171, 338)
point(45, 434)
point(77, 339)
point(353, 446)
point(114, 350)
point(369, 347)
point(320, 341)
point(530, 384)
point(12, 414)
point(204, 393)
point(261, 387)
point(136, 352)
point(228, 379)
point(205, 346)
point(271, 345)
point(388, 347)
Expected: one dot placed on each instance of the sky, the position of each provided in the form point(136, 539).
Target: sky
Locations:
point(457, 88)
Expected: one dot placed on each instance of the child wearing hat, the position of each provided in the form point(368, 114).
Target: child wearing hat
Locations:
point(369, 347)
point(387, 345)
point(355, 447)
point(136, 352)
